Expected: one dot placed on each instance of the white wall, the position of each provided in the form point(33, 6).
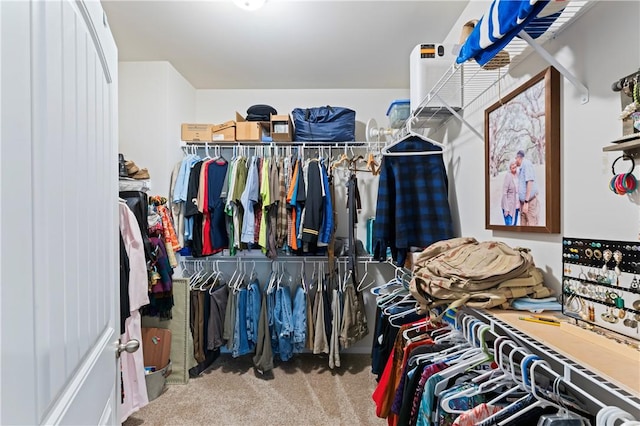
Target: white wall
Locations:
point(597, 54)
point(154, 100)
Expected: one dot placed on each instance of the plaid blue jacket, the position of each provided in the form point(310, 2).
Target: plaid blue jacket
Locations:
point(413, 205)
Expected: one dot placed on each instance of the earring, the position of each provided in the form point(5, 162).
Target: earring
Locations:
point(606, 255)
point(617, 256)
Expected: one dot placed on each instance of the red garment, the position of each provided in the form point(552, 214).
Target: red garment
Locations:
point(379, 394)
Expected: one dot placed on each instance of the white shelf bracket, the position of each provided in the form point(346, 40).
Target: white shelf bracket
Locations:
point(584, 92)
point(459, 117)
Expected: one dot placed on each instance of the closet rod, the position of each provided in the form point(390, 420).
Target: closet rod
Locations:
point(291, 259)
point(184, 144)
point(262, 258)
point(572, 372)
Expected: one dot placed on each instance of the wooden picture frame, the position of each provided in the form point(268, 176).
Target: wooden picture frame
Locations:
point(523, 129)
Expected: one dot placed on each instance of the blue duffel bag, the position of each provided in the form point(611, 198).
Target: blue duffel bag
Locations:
point(324, 124)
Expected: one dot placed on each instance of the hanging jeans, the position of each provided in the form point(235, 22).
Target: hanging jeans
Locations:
point(240, 339)
point(299, 319)
point(284, 327)
point(253, 313)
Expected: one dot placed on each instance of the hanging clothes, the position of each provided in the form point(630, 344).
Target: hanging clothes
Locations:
point(310, 320)
point(161, 285)
point(263, 358)
point(282, 217)
point(299, 320)
point(132, 364)
point(176, 208)
point(314, 204)
point(217, 310)
point(334, 343)
point(413, 205)
point(254, 299)
point(216, 207)
point(282, 315)
point(230, 320)
point(354, 205)
point(354, 325)
point(322, 319)
point(193, 217)
point(125, 310)
point(327, 225)
point(249, 199)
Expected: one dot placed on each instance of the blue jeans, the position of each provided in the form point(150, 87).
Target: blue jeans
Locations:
point(283, 324)
point(253, 313)
point(299, 319)
point(240, 340)
point(271, 307)
point(509, 220)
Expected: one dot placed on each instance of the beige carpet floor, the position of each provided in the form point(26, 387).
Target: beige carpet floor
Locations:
point(302, 391)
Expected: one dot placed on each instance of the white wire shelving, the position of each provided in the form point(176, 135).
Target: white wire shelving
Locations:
point(468, 82)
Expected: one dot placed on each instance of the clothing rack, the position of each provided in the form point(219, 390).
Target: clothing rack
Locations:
point(571, 372)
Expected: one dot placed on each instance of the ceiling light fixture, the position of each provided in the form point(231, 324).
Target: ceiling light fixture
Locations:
point(249, 4)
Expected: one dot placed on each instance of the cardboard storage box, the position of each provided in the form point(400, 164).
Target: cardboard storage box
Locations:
point(196, 132)
point(225, 132)
point(251, 130)
point(281, 128)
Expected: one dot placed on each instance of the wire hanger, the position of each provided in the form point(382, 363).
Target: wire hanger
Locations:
point(412, 135)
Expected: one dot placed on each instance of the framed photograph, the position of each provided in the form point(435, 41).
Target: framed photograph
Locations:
point(522, 157)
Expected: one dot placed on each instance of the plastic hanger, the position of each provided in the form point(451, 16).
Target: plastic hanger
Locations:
point(412, 135)
point(529, 381)
point(563, 417)
point(360, 286)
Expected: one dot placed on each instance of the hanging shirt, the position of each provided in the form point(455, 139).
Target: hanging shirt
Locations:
point(228, 203)
point(281, 221)
point(258, 207)
point(292, 195)
point(265, 194)
point(314, 205)
point(326, 228)
point(193, 217)
point(177, 208)
point(238, 189)
point(203, 207)
point(182, 180)
point(413, 206)
point(248, 198)
point(301, 198)
point(218, 227)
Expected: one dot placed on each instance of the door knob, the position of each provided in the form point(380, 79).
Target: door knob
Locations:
point(131, 346)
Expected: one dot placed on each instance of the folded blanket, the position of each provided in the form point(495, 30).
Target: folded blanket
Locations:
point(536, 305)
point(502, 22)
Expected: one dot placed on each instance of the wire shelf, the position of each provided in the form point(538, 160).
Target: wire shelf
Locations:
point(468, 82)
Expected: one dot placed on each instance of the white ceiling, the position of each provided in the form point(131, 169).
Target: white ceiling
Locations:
point(288, 44)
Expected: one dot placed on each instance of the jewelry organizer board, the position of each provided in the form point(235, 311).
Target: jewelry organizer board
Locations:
point(600, 283)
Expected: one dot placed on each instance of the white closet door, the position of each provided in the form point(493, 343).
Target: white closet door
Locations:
point(58, 214)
